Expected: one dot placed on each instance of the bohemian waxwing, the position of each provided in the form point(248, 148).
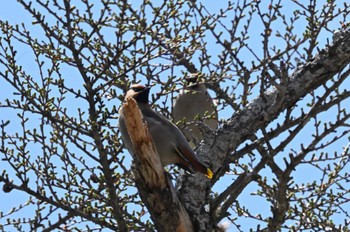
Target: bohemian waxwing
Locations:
point(192, 105)
point(170, 143)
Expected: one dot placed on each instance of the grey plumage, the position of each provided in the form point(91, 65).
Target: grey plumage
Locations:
point(170, 143)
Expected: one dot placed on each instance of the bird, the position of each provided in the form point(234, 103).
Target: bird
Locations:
point(171, 145)
point(192, 105)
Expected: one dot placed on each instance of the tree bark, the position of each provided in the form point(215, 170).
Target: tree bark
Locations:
point(155, 188)
point(157, 191)
point(218, 146)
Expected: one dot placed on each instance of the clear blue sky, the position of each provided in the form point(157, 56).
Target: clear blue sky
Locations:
point(14, 13)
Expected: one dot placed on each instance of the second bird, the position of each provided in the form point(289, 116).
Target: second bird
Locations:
point(192, 105)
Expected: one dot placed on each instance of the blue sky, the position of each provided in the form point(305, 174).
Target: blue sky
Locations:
point(14, 13)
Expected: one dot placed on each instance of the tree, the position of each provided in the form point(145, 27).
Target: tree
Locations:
point(278, 70)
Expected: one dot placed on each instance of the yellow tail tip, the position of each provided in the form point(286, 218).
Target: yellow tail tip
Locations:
point(209, 173)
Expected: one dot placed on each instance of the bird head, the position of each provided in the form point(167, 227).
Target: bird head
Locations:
point(194, 83)
point(191, 79)
point(139, 93)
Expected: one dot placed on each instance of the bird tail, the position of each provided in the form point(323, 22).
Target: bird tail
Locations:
point(199, 167)
point(191, 163)
point(209, 173)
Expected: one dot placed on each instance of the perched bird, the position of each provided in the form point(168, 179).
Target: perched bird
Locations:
point(194, 104)
point(170, 143)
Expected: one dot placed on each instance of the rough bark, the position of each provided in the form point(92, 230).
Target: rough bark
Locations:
point(218, 146)
point(155, 188)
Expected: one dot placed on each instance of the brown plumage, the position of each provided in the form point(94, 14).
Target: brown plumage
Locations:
point(192, 105)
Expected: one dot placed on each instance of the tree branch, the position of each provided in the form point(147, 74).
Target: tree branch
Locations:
point(261, 111)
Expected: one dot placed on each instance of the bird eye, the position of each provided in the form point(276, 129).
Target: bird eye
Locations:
point(137, 89)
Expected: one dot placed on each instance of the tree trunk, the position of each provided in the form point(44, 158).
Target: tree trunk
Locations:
point(155, 188)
